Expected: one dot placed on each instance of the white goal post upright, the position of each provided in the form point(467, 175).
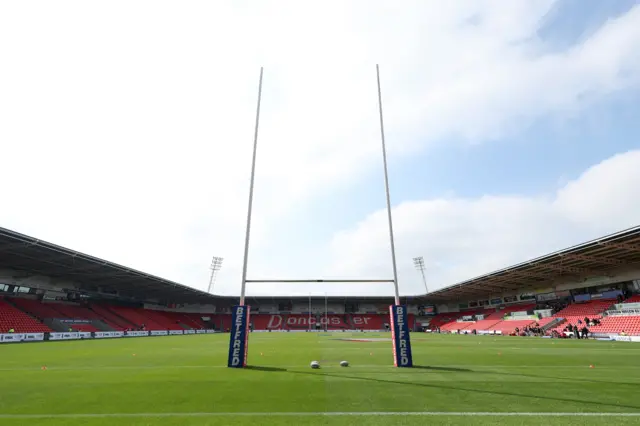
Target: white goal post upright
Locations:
point(238, 345)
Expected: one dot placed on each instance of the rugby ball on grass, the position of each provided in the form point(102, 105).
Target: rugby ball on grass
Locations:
point(344, 363)
point(315, 364)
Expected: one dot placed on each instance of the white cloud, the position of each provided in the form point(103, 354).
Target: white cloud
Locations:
point(463, 238)
point(127, 127)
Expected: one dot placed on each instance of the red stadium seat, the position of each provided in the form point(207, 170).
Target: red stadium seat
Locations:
point(13, 318)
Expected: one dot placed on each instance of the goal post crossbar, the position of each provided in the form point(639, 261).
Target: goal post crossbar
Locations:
point(319, 281)
point(398, 314)
point(245, 261)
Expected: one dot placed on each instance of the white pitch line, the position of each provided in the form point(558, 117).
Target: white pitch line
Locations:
point(320, 414)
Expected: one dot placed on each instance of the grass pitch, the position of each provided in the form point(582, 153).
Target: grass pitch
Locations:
point(183, 380)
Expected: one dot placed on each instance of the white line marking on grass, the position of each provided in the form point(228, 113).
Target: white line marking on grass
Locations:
point(319, 414)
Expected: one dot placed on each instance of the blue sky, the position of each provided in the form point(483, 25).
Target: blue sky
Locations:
point(511, 130)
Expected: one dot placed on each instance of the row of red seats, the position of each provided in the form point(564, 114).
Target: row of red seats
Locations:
point(577, 312)
point(442, 319)
point(630, 325)
point(504, 326)
point(13, 318)
point(633, 299)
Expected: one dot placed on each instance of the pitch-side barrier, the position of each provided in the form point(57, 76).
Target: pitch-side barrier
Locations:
point(54, 336)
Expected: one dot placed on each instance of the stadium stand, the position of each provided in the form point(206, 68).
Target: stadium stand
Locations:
point(36, 308)
point(141, 319)
point(509, 326)
point(633, 299)
point(100, 296)
point(484, 324)
point(115, 321)
point(456, 326)
point(575, 313)
point(13, 318)
point(629, 325)
point(499, 314)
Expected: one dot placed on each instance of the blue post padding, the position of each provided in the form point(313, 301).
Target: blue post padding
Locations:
point(239, 341)
point(400, 336)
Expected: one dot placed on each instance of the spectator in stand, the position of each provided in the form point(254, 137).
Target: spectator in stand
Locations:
point(11, 330)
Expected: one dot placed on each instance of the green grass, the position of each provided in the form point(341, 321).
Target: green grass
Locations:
point(187, 374)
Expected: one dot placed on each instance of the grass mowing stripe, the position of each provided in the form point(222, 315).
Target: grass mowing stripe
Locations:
point(320, 414)
point(300, 366)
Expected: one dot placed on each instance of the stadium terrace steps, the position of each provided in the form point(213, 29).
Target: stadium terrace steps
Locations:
point(633, 299)
point(36, 308)
point(163, 319)
point(184, 320)
point(548, 322)
point(193, 320)
point(74, 311)
point(111, 318)
point(21, 322)
point(134, 316)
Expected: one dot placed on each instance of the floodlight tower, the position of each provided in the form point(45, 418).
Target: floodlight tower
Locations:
point(418, 262)
point(216, 265)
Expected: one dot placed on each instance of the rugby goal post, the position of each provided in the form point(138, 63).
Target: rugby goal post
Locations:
point(239, 339)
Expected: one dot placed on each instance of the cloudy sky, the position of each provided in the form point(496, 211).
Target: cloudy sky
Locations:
point(126, 131)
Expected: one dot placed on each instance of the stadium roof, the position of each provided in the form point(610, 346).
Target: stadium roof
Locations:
point(594, 258)
point(24, 253)
point(34, 256)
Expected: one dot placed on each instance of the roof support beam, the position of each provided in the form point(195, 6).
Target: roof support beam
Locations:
point(500, 287)
point(624, 246)
point(563, 268)
point(508, 279)
point(595, 259)
point(530, 274)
